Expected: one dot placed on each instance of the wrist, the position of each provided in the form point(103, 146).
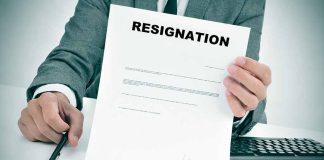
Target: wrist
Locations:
point(61, 96)
point(58, 88)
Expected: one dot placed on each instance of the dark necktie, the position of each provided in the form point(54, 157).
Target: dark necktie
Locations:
point(171, 7)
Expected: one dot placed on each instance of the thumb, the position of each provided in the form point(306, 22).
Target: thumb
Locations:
point(75, 118)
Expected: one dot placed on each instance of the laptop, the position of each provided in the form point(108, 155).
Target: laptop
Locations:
point(267, 148)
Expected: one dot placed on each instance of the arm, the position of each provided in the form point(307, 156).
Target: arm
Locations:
point(251, 16)
point(75, 63)
point(246, 92)
point(78, 57)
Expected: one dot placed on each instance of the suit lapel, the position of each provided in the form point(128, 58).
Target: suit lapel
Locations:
point(146, 4)
point(196, 8)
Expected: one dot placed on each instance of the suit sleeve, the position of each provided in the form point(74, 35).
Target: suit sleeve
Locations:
point(251, 16)
point(78, 57)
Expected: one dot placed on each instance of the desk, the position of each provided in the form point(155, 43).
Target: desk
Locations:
point(14, 146)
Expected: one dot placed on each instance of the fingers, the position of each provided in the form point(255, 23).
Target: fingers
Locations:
point(236, 106)
point(250, 82)
point(249, 100)
point(260, 70)
point(31, 129)
point(36, 113)
point(247, 83)
point(50, 110)
point(44, 119)
point(76, 125)
point(25, 131)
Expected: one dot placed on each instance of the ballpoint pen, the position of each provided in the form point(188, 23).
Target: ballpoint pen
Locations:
point(55, 155)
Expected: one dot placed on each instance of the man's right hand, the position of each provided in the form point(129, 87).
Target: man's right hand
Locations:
point(45, 118)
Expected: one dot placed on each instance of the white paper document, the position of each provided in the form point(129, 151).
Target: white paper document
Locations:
point(161, 94)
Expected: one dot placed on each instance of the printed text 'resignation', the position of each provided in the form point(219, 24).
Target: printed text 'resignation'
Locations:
point(180, 33)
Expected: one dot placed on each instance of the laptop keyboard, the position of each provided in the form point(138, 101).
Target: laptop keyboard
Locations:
point(294, 147)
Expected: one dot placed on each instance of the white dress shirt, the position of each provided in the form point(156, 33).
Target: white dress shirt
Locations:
point(182, 5)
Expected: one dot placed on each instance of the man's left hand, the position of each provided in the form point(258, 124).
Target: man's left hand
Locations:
point(246, 85)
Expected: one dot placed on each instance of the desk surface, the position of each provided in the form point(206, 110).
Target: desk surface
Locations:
point(14, 146)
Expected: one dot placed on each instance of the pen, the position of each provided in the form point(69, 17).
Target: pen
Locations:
point(59, 147)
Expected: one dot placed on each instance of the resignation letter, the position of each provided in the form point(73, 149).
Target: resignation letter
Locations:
point(161, 94)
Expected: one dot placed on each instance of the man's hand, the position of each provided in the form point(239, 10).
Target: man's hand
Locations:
point(45, 118)
point(246, 85)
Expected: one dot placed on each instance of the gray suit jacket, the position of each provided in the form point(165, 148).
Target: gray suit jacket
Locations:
point(76, 61)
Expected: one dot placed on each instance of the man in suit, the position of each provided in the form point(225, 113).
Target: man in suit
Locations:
point(72, 70)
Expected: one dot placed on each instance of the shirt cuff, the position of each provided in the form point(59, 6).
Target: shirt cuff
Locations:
point(237, 123)
point(57, 88)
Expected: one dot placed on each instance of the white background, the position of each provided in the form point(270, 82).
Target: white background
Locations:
point(292, 45)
